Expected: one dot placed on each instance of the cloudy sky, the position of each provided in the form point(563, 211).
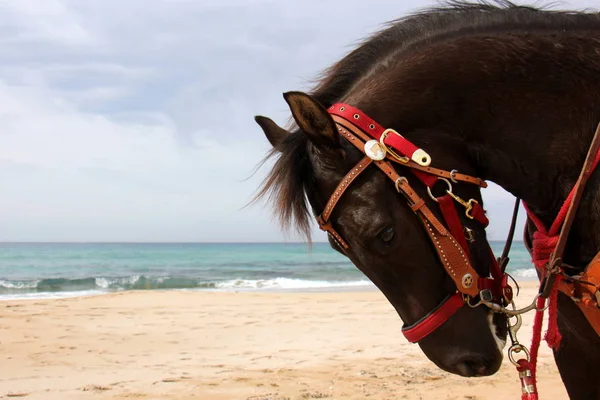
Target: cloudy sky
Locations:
point(133, 120)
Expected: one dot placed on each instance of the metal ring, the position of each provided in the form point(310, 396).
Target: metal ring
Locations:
point(452, 175)
point(517, 348)
point(467, 299)
point(449, 190)
point(356, 116)
point(546, 302)
point(397, 183)
point(497, 308)
point(514, 328)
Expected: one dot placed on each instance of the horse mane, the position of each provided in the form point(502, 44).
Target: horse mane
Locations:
point(292, 174)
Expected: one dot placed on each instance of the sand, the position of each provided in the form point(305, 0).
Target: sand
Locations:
point(259, 346)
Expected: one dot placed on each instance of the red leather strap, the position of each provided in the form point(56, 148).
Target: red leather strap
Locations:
point(454, 225)
point(426, 174)
point(450, 244)
point(479, 215)
point(374, 130)
point(427, 179)
point(451, 253)
point(434, 319)
point(401, 144)
point(358, 118)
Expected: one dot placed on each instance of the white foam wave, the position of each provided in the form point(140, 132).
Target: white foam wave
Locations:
point(49, 295)
point(286, 283)
point(106, 283)
point(525, 273)
point(18, 284)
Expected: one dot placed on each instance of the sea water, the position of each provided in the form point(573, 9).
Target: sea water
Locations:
point(46, 270)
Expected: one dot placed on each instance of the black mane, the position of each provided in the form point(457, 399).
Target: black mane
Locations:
point(435, 24)
point(292, 173)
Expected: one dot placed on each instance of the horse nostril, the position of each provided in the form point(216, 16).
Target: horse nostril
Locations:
point(473, 367)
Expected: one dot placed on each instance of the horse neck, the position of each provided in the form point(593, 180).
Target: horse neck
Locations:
point(543, 172)
point(525, 114)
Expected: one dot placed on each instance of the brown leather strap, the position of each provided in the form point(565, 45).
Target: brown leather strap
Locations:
point(326, 226)
point(453, 257)
point(343, 185)
point(451, 254)
point(585, 290)
point(349, 126)
point(454, 175)
point(586, 171)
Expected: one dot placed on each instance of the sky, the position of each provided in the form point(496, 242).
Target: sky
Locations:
point(133, 120)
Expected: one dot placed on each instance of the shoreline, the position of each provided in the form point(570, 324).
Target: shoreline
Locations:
point(352, 288)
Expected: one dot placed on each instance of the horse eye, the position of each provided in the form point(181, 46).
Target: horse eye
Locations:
point(387, 235)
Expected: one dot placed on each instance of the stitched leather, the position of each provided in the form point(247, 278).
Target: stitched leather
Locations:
point(411, 164)
point(453, 257)
point(588, 303)
point(343, 185)
point(434, 319)
point(451, 217)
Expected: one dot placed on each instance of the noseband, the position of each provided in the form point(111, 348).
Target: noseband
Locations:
point(384, 146)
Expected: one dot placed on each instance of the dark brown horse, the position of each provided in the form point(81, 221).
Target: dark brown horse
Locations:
point(506, 93)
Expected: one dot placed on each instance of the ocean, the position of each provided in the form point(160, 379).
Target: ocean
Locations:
point(52, 270)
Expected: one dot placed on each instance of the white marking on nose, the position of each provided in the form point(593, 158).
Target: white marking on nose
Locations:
point(499, 342)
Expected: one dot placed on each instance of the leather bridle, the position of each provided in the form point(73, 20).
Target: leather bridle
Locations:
point(384, 146)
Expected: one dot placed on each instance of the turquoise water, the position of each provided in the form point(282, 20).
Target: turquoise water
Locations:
point(38, 270)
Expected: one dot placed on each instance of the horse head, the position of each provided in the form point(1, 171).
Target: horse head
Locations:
point(381, 232)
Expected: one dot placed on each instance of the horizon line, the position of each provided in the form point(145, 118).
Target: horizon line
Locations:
point(170, 242)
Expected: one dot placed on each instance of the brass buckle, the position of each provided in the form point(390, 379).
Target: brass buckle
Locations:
point(517, 348)
point(468, 205)
point(384, 135)
point(419, 156)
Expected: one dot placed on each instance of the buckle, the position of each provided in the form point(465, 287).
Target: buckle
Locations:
point(419, 156)
point(486, 295)
point(468, 205)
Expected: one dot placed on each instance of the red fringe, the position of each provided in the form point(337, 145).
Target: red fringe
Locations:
point(553, 336)
point(537, 335)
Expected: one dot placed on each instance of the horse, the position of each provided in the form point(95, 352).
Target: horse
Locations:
point(486, 91)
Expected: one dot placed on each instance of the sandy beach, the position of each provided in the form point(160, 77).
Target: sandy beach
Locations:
point(211, 345)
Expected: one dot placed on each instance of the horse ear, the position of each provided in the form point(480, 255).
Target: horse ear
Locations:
point(313, 119)
point(274, 133)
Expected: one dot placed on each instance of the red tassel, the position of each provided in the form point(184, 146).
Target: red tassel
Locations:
point(553, 336)
point(537, 334)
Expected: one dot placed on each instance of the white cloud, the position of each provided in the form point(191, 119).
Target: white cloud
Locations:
point(68, 175)
point(133, 120)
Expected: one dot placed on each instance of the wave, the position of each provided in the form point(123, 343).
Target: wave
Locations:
point(528, 273)
point(10, 288)
point(286, 283)
point(134, 282)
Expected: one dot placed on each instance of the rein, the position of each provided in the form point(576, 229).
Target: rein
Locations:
point(547, 250)
point(382, 147)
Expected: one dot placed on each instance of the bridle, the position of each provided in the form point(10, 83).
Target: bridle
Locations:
point(384, 146)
